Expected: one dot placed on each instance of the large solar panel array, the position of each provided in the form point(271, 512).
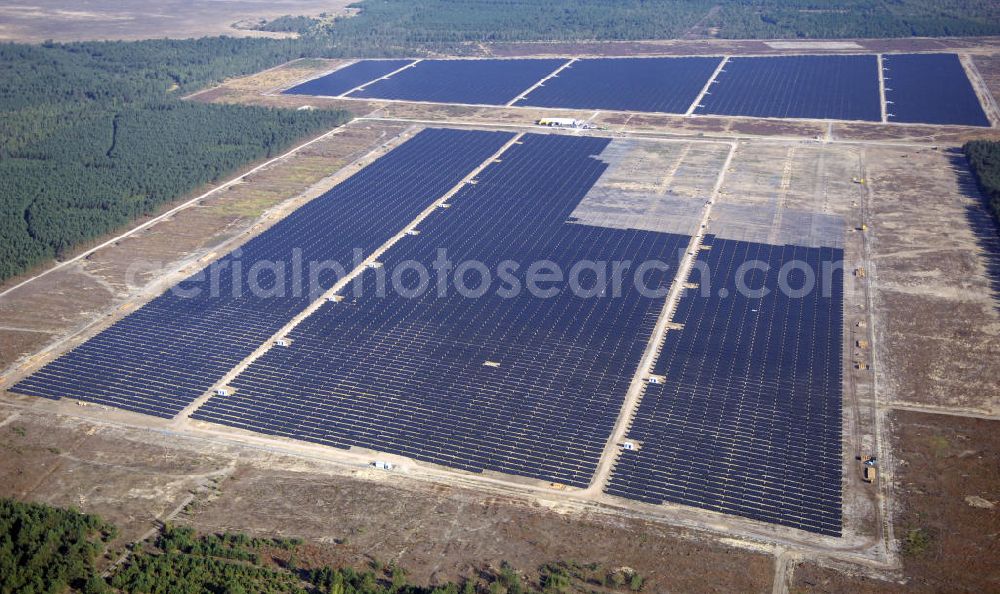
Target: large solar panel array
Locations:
point(748, 420)
point(168, 353)
point(923, 88)
point(344, 79)
point(408, 374)
point(484, 82)
point(930, 88)
point(827, 87)
point(634, 84)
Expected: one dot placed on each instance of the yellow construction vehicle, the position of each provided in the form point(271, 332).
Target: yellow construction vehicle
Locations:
point(869, 472)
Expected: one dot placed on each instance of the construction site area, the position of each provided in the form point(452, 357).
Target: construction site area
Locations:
point(847, 444)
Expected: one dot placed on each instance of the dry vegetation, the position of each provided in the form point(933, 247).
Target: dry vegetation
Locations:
point(949, 515)
point(935, 252)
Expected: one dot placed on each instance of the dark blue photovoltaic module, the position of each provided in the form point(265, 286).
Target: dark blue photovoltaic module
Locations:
point(482, 82)
point(160, 358)
point(930, 89)
point(630, 84)
point(748, 418)
point(822, 87)
point(344, 79)
point(516, 382)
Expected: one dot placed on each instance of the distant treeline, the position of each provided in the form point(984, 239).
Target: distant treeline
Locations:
point(93, 135)
point(984, 156)
point(392, 26)
point(817, 19)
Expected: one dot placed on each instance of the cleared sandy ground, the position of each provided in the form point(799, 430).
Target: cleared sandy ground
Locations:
point(88, 20)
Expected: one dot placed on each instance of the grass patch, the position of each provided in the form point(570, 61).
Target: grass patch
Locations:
point(916, 542)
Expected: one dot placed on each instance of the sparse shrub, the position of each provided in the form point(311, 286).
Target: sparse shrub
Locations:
point(917, 541)
point(636, 581)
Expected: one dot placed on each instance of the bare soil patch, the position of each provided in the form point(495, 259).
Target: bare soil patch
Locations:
point(935, 250)
point(274, 79)
point(64, 462)
point(62, 20)
point(947, 545)
point(135, 477)
point(444, 533)
point(988, 67)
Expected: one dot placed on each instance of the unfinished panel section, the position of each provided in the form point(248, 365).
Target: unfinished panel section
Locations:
point(798, 194)
point(653, 185)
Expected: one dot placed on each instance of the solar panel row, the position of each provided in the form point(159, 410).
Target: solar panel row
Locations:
point(349, 77)
point(748, 419)
point(407, 374)
point(667, 85)
point(928, 88)
point(162, 357)
point(828, 87)
point(931, 89)
point(485, 82)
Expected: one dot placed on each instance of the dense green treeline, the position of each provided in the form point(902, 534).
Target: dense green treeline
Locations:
point(394, 26)
point(984, 157)
point(93, 135)
point(401, 23)
point(739, 19)
point(45, 549)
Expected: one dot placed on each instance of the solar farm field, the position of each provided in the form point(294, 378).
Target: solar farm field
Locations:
point(776, 393)
point(930, 88)
point(162, 357)
point(824, 87)
point(635, 84)
point(747, 419)
point(516, 383)
point(921, 88)
point(484, 82)
point(344, 79)
point(497, 377)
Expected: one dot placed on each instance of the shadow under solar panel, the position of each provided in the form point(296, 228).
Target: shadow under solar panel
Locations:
point(162, 357)
point(748, 420)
